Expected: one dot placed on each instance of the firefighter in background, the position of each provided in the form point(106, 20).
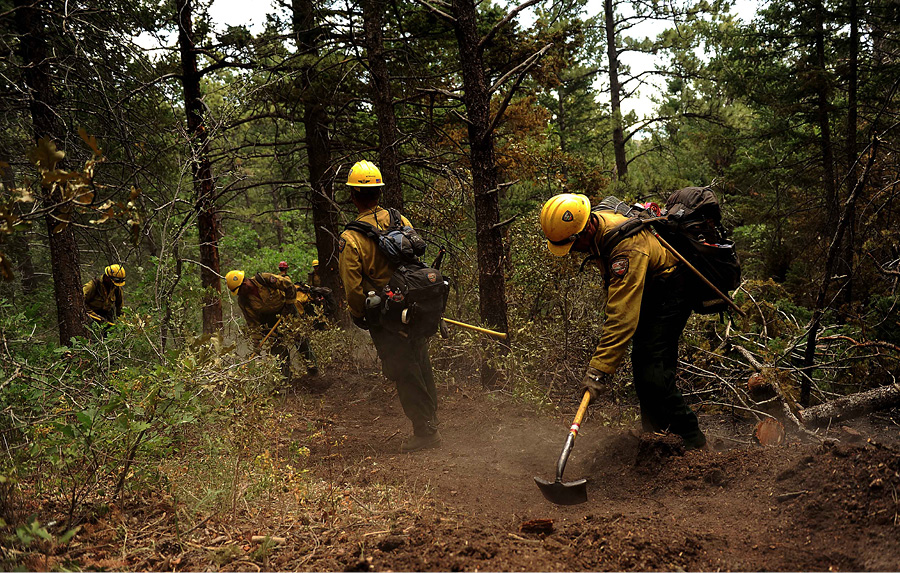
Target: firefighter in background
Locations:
point(647, 303)
point(103, 295)
point(364, 268)
point(313, 278)
point(282, 269)
point(264, 300)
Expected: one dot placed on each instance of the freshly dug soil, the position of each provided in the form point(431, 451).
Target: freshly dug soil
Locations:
point(798, 506)
point(358, 504)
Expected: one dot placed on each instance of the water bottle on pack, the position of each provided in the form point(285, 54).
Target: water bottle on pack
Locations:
point(373, 309)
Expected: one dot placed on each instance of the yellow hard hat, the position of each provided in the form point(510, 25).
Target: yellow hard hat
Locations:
point(233, 280)
point(315, 262)
point(116, 273)
point(364, 174)
point(562, 218)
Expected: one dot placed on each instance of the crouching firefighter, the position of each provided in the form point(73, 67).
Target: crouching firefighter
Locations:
point(648, 303)
point(398, 299)
point(103, 296)
point(267, 300)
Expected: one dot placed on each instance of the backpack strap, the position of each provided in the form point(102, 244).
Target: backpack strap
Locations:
point(366, 229)
point(396, 220)
point(628, 228)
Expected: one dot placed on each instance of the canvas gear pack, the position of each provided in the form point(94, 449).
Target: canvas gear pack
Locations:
point(692, 223)
point(414, 299)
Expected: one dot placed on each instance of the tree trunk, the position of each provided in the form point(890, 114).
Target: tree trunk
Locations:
point(64, 263)
point(809, 355)
point(19, 247)
point(851, 406)
point(852, 120)
point(615, 89)
point(561, 123)
point(488, 235)
point(828, 182)
point(204, 185)
point(318, 148)
point(383, 102)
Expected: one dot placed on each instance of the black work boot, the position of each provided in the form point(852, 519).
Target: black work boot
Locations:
point(416, 443)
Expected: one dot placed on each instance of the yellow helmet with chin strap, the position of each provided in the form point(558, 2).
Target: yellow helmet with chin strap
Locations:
point(234, 280)
point(364, 174)
point(116, 274)
point(562, 218)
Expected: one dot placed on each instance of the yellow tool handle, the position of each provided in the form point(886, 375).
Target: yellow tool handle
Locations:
point(585, 400)
point(96, 316)
point(271, 331)
point(494, 333)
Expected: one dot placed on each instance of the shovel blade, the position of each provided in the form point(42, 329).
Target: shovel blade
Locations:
point(563, 493)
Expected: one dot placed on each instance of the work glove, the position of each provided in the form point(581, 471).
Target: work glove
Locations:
point(595, 382)
point(360, 321)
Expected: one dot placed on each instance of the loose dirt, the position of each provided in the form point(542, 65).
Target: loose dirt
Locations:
point(800, 506)
point(472, 504)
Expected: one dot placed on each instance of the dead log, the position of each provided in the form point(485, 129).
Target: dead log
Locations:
point(851, 406)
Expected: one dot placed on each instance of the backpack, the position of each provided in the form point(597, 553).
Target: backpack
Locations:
point(414, 299)
point(692, 224)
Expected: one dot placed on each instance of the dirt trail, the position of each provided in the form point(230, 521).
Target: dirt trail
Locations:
point(794, 507)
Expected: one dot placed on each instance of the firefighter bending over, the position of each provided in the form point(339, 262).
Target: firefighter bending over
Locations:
point(647, 303)
point(103, 295)
point(264, 299)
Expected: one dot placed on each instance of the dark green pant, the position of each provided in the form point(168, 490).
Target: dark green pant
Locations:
point(654, 357)
point(406, 363)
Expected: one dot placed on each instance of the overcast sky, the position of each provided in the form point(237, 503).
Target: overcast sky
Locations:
point(253, 14)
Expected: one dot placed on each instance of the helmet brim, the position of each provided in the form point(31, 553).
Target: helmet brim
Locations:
point(366, 184)
point(560, 250)
point(118, 282)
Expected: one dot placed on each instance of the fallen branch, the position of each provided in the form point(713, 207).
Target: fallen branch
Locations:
point(851, 406)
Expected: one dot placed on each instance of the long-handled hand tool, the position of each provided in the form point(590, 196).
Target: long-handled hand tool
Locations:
point(277, 322)
point(573, 492)
point(98, 318)
point(693, 269)
point(494, 333)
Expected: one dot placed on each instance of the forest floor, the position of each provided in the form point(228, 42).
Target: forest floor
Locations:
point(332, 492)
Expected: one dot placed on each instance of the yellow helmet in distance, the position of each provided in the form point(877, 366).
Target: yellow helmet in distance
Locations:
point(116, 273)
point(315, 262)
point(364, 174)
point(562, 218)
point(234, 280)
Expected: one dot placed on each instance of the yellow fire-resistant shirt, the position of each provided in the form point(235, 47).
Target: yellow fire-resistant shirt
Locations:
point(362, 265)
point(267, 294)
point(102, 299)
point(628, 267)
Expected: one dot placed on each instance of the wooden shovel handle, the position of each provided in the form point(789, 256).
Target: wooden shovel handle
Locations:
point(576, 423)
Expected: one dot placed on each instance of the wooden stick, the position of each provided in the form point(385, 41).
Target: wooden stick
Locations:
point(678, 256)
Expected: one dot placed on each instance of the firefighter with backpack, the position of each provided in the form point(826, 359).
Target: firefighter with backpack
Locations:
point(268, 303)
point(648, 303)
point(375, 284)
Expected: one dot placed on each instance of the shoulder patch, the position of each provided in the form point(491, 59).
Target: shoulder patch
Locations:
point(342, 242)
point(618, 267)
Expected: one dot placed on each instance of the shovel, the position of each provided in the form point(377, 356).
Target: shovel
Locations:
point(573, 492)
